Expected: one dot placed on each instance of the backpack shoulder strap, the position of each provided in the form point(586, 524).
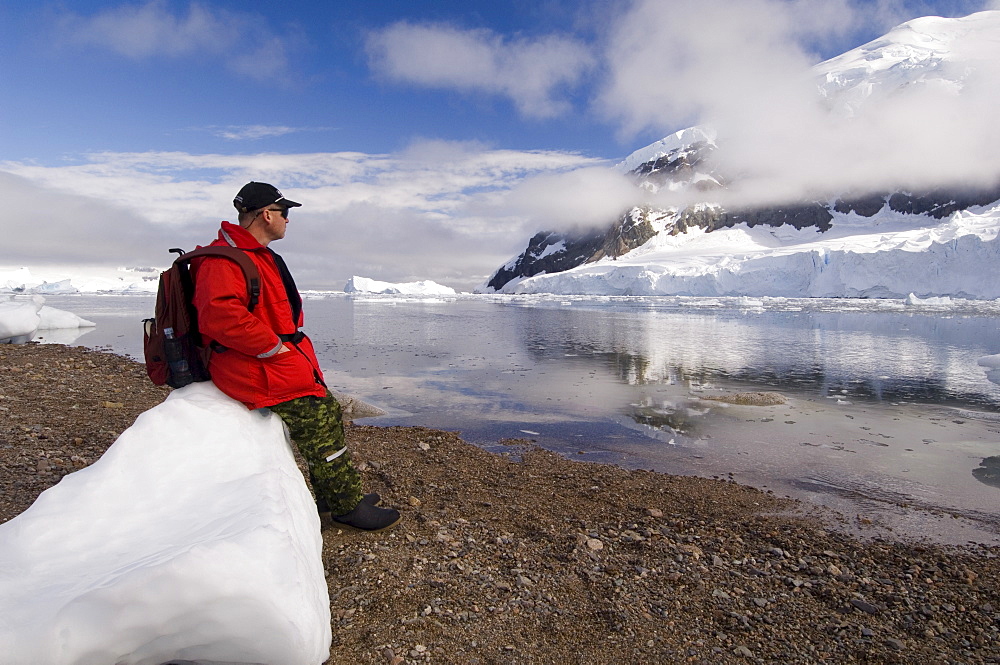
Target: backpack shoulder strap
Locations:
point(250, 272)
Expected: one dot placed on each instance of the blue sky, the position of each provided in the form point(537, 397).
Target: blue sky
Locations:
point(400, 125)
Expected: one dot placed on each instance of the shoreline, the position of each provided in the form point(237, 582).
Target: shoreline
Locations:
point(528, 557)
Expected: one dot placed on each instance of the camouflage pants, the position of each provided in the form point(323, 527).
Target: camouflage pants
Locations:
point(316, 427)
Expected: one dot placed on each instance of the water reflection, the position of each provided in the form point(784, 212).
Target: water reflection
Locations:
point(873, 386)
point(870, 356)
point(607, 355)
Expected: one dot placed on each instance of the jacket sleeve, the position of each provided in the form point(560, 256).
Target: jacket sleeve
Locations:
point(221, 300)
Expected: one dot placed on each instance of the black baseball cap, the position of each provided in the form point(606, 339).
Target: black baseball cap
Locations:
point(257, 195)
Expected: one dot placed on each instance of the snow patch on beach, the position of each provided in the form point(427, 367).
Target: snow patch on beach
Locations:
point(194, 538)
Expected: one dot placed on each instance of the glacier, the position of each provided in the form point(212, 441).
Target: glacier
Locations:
point(890, 256)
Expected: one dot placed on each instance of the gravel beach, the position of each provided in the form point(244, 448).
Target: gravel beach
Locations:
point(527, 557)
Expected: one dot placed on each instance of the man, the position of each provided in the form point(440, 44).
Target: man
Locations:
point(262, 359)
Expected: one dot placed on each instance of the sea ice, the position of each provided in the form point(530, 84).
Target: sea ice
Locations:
point(194, 538)
point(19, 318)
point(22, 316)
point(59, 319)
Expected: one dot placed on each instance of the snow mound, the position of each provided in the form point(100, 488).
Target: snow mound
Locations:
point(425, 288)
point(194, 538)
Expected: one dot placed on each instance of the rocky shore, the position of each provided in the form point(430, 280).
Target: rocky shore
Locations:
point(527, 557)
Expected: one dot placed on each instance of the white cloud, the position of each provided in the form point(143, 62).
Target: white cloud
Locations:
point(584, 197)
point(672, 64)
point(153, 29)
point(745, 69)
point(436, 211)
point(252, 132)
point(533, 73)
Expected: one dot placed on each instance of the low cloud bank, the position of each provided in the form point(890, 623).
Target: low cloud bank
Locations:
point(434, 211)
point(747, 71)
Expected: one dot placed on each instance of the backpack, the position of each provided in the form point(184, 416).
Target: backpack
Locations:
point(171, 340)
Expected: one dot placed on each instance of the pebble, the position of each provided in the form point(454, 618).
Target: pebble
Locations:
point(867, 608)
point(594, 544)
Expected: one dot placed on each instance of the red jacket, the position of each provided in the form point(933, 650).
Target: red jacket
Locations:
point(250, 369)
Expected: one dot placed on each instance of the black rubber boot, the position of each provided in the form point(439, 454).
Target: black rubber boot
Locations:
point(372, 497)
point(366, 517)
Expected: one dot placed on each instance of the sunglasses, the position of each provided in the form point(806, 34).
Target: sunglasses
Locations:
point(281, 211)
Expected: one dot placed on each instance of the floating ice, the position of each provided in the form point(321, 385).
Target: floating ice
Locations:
point(914, 300)
point(58, 319)
point(365, 285)
point(992, 362)
point(194, 539)
point(60, 280)
point(22, 316)
point(19, 318)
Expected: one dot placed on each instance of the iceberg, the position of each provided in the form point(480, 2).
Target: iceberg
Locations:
point(59, 319)
point(63, 280)
point(23, 316)
point(60, 287)
point(19, 318)
point(424, 288)
point(193, 538)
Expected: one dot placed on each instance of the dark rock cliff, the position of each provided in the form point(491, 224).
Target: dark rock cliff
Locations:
point(937, 203)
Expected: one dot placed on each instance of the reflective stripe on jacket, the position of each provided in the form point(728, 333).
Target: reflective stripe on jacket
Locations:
point(250, 369)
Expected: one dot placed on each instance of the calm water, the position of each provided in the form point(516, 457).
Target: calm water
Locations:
point(887, 401)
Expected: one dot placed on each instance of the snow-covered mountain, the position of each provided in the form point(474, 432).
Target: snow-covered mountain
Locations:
point(931, 240)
